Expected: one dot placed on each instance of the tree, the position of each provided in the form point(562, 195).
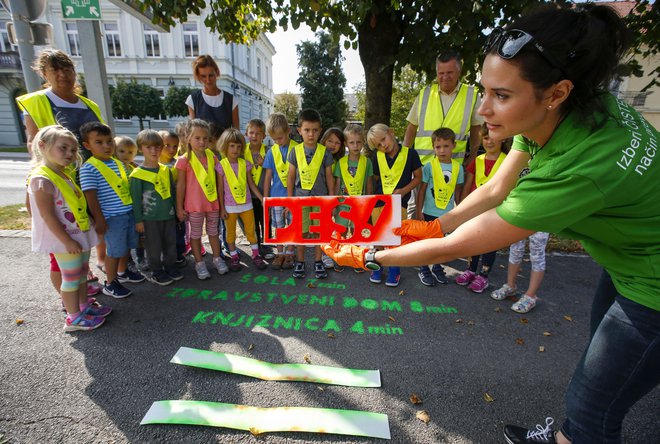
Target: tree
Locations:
point(174, 104)
point(387, 33)
point(360, 94)
point(287, 104)
point(322, 80)
point(404, 90)
point(134, 99)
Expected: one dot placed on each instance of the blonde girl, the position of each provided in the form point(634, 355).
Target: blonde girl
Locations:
point(61, 225)
point(197, 195)
point(234, 185)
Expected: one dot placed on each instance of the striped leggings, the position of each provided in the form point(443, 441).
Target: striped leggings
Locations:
point(74, 269)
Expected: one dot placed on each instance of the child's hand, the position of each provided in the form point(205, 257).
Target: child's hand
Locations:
point(398, 191)
point(72, 247)
point(258, 160)
point(139, 227)
point(181, 215)
point(223, 215)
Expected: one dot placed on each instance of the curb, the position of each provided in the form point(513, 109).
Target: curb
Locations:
point(15, 233)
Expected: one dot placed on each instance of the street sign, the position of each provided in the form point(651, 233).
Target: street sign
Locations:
point(81, 9)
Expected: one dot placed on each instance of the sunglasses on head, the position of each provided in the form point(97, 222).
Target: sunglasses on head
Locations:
point(510, 42)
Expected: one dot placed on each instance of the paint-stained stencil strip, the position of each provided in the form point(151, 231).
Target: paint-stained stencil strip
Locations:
point(260, 420)
point(276, 372)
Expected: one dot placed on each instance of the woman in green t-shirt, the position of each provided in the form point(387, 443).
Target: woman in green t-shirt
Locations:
point(583, 164)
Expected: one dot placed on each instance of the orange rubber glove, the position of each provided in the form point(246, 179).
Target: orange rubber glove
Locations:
point(345, 254)
point(414, 230)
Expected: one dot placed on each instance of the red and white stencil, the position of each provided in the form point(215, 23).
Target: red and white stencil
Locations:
point(323, 228)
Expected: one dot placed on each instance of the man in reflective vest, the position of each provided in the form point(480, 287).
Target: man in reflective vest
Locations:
point(447, 103)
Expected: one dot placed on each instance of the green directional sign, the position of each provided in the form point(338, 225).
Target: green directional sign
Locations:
point(81, 9)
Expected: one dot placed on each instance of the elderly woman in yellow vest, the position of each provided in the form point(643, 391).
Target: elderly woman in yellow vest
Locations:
point(60, 102)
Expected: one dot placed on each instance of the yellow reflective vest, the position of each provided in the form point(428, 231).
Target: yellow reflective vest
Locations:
point(38, 106)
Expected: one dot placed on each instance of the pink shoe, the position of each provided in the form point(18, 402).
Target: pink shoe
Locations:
point(465, 278)
point(93, 288)
point(479, 284)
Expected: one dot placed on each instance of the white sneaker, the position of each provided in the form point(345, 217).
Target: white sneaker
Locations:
point(220, 265)
point(202, 271)
point(525, 304)
point(502, 293)
point(327, 261)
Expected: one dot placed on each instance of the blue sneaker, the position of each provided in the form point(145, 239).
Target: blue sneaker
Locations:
point(116, 290)
point(319, 270)
point(393, 277)
point(299, 270)
point(174, 274)
point(426, 277)
point(376, 276)
point(438, 273)
point(97, 311)
point(130, 276)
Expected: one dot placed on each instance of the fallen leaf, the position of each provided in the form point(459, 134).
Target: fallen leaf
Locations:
point(331, 335)
point(458, 321)
point(568, 318)
point(401, 293)
point(541, 348)
point(250, 347)
point(19, 321)
point(255, 431)
point(547, 333)
point(498, 309)
point(470, 322)
point(488, 398)
point(415, 399)
point(307, 358)
point(423, 416)
point(310, 285)
point(520, 341)
point(524, 321)
point(320, 388)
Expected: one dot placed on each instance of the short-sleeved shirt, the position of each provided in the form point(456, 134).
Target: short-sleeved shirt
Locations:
point(446, 100)
point(412, 164)
point(320, 187)
point(277, 189)
point(92, 179)
point(601, 187)
point(429, 199)
point(195, 200)
point(231, 206)
point(471, 168)
point(352, 169)
point(148, 203)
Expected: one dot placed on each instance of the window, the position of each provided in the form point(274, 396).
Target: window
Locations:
point(190, 40)
point(151, 41)
point(5, 46)
point(267, 81)
point(248, 61)
point(258, 70)
point(112, 40)
point(72, 39)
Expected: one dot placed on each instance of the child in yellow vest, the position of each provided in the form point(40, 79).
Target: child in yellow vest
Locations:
point(61, 225)
point(397, 170)
point(255, 153)
point(442, 185)
point(310, 174)
point(478, 172)
point(168, 158)
point(197, 195)
point(334, 141)
point(126, 150)
point(234, 185)
point(353, 174)
point(153, 193)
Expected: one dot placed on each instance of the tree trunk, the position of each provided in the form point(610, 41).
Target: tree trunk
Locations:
point(379, 37)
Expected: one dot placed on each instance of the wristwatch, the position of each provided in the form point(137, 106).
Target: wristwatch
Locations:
point(370, 261)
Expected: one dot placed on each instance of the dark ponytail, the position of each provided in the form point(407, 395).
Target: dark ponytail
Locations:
point(588, 41)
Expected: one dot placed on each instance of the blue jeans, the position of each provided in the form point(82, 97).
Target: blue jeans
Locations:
point(621, 364)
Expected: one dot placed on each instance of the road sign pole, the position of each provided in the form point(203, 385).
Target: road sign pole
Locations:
point(96, 77)
point(19, 16)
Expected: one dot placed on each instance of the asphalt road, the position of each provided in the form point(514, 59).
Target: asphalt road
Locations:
point(95, 387)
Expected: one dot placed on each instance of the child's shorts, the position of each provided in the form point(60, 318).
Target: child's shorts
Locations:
point(307, 222)
point(54, 266)
point(121, 235)
point(277, 217)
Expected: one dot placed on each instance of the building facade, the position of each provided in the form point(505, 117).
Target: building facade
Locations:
point(134, 50)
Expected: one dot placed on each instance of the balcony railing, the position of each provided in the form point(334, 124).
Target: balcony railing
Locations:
point(636, 99)
point(10, 60)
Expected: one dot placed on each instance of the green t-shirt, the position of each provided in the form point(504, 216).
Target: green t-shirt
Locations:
point(601, 187)
point(352, 169)
point(147, 203)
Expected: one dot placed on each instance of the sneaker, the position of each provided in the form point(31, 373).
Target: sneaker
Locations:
point(465, 278)
point(338, 268)
point(181, 261)
point(83, 322)
point(358, 270)
point(299, 270)
point(143, 264)
point(376, 276)
point(132, 266)
point(160, 278)
point(188, 250)
point(319, 270)
point(130, 276)
point(277, 262)
point(203, 252)
point(525, 304)
point(266, 252)
point(259, 262)
point(438, 273)
point(288, 262)
point(93, 288)
point(116, 290)
point(90, 301)
point(327, 261)
point(520, 435)
point(479, 284)
point(503, 292)
point(235, 263)
point(202, 271)
point(97, 310)
point(220, 265)
point(393, 277)
point(426, 278)
point(174, 274)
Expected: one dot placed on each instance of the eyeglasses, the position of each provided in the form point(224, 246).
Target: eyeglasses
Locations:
point(510, 42)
